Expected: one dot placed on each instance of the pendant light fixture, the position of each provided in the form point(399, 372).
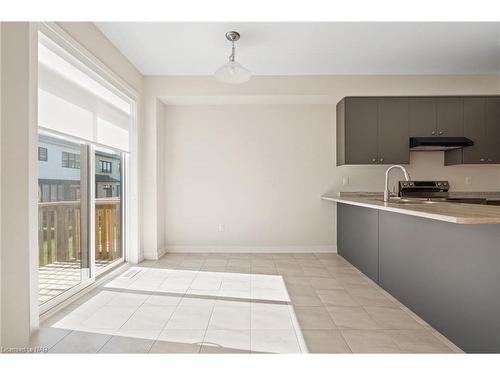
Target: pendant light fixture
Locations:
point(232, 71)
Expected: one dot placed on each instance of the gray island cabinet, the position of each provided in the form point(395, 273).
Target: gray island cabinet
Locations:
point(447, 273)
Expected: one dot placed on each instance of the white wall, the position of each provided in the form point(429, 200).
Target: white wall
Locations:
point(161, 172)
point(19, 193)
point(148, 176)
point(256, 169)
point(196, 178)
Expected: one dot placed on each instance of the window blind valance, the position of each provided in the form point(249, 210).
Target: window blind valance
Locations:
point(73, 102)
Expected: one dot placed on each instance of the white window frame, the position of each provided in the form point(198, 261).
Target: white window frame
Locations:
point(130, 222)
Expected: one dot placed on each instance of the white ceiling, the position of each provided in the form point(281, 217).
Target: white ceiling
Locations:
point(178, 48)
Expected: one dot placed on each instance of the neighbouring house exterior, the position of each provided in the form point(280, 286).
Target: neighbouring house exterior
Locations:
point(107, 175)
point(59, 171)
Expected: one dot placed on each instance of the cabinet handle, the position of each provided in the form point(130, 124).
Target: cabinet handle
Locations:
point(381, 160)
point(440, 133)
point(433, 132)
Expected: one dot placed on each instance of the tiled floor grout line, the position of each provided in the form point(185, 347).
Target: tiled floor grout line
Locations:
point(294, 321)
point(111, 336)
point(206, 329)
point(164, 325)
point(173, 312)
point(211, 314)
point(104, 344)
point(251, 313)
point(345, 340)
point(58, 341)
point(295, 328)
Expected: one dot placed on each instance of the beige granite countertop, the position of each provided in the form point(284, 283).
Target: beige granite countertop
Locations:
point(459, 213)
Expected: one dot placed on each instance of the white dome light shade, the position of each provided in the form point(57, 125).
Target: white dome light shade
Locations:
point(233, 72)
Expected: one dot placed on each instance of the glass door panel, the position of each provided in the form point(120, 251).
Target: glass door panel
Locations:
point(62, 245)
point(108, 208)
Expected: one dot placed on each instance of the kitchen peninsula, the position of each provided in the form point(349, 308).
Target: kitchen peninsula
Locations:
point(440, 259)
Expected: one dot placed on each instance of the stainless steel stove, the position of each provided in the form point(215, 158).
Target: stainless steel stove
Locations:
point(435, 191)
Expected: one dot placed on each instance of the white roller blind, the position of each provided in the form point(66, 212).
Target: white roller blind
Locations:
point(73, 102)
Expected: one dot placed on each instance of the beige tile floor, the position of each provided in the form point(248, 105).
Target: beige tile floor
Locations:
point(240, 303)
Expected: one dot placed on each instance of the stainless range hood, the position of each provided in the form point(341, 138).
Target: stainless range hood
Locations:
point(438, 143)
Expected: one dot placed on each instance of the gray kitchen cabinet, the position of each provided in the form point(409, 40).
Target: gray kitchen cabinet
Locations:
point(475, 129)
point(422, 117)
point(436, 116)
point(372, 130)
point(393, 131)
point(359, 128)
point(493, 130)
point(449, 116)
point(482, 125)
point(357, 237)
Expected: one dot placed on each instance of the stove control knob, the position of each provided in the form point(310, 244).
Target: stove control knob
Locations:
point(405, 183)
point(439, 184)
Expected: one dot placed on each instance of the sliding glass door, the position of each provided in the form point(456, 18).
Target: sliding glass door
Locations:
point(63, 254)
point(64, 213)
point(108, 208)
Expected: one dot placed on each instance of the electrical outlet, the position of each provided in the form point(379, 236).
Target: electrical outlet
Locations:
point(468, 180)
point(221, 227)
point(345, 180)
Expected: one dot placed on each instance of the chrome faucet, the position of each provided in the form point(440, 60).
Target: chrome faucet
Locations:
point(387, 193)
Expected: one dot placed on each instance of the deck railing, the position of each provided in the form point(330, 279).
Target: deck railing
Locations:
point(59, 235)
point(108, 242)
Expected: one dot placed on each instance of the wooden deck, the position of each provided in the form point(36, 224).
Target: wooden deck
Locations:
point(56, 278)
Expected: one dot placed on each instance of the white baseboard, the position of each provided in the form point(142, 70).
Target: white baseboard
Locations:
point(249, 249)
point(161, 252)
point(153, 255)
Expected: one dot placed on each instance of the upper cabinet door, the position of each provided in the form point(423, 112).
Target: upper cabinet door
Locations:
point(450, 117)
point(474, 129)
point(422, 117)
point(361, 131)
point(393, 133)
point(493, 130)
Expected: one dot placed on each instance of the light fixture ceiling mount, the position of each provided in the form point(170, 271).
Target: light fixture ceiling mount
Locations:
point(232, 71)
point(233, 36)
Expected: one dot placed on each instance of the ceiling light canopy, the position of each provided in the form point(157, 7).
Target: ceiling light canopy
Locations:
point(232, 71)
